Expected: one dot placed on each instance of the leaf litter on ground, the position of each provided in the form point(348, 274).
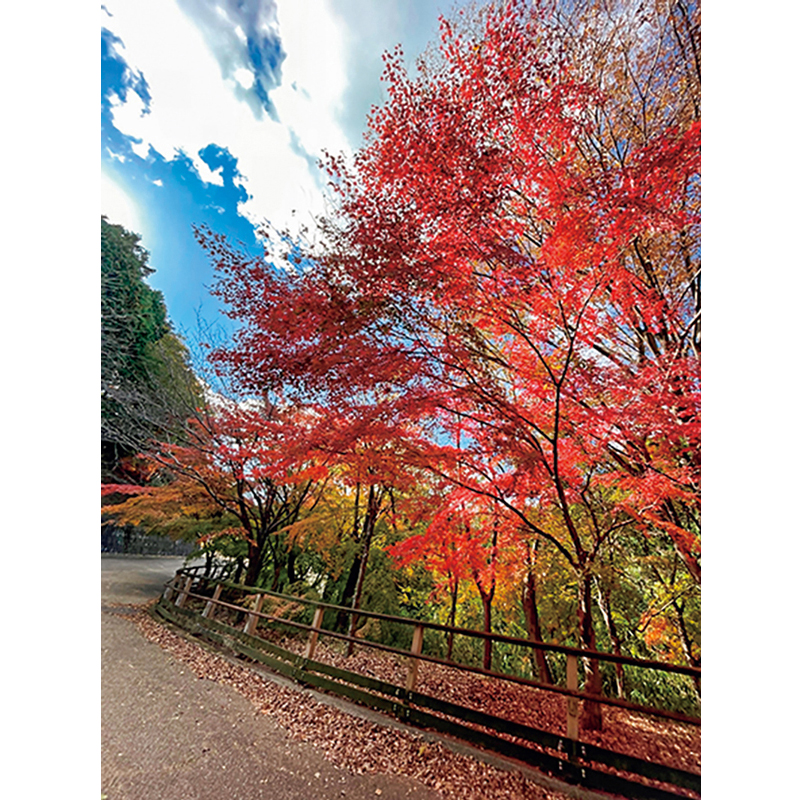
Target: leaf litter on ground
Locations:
point(361, 746)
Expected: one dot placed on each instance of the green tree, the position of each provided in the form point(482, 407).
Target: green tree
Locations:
point(147, 384)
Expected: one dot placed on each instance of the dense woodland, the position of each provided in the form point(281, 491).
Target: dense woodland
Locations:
point(472, 393)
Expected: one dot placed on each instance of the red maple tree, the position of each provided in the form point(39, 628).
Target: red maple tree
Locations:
point(547, 295)
point(510, 288)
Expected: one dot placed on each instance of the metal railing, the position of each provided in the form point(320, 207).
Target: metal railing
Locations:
point(119, 541)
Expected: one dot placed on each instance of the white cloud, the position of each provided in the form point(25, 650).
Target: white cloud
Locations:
point(194, 56)
point(314, 75)
point(141, 148)
point(244, 77)
point(207, 174)
point(192, 105)
point(126, 111)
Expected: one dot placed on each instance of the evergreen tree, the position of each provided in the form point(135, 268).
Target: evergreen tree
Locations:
point(147, 385)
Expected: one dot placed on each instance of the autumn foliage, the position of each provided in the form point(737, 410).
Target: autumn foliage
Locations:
point(494, 345)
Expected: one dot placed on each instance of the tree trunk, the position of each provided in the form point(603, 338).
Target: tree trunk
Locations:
point(253, 564)
point(369, 529)
point(486, 600)
point(532, 617)
point(534, 628)
point(592, 714)
point(487, 597)
point(291, 560)
point(276, 576)
point(487, 627)
point(451, 619)
point(347, 593)
point(355, 568)
point(604, 601)
point(686, 644)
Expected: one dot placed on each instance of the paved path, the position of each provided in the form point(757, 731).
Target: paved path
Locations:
point(167, 735)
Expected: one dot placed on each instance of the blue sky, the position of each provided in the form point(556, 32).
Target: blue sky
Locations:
point(216, 111)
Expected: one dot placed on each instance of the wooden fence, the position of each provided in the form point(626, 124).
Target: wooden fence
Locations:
point(565, 757)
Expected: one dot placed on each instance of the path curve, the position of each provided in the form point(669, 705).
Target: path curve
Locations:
point(168, 735)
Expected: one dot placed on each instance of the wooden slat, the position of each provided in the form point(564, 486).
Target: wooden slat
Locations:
point(316, 624)
point(678, 717)
point(572, 702)
point(496, 637)
point(184, 593)
point(208, 611)
point(252, 617)
point(413, 666)
point(365, 698)
point(638, 766)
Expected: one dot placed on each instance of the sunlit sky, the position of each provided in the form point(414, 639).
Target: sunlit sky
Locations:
point(216, 112)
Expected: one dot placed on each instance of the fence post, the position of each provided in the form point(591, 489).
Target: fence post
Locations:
point(319, 612)
point(413, 667)
point(208, 611)
point(572, 702)
point(170, 588)
point(252, 619)
point(187, 587)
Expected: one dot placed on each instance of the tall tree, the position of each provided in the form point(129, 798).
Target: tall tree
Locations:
point(304, 340)
point(470, 538)
point(147, 384)
point(546, 291)
point(252, 462)
point(513, 270)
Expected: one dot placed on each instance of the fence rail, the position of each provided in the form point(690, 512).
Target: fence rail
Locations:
point(569, 758)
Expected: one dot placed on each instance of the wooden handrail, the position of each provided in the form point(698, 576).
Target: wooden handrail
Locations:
point(569, 692)
point(581, 652)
